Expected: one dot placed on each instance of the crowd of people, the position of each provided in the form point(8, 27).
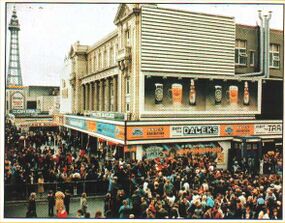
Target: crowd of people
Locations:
point(189, 186)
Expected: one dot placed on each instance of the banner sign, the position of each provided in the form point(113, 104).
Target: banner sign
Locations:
point(106, 129)
point(120, 132)
point(108, 115)
point(148, 132)
point(24, 111)
point(18, 100)
point(237, 130)
point(194, 130)
point(91, 126)
point(76, 122)
point(267, 129)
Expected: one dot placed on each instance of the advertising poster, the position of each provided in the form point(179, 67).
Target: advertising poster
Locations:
point(148, 132)
point(91, 126)
point(237, 130)
point(76, 123)
point(199, 96)
point(106, 129)
point(18, 100)
point(267, 129)
point(120, 132)
point(194, 131)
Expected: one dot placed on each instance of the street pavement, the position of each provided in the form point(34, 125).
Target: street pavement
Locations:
point(19, 209)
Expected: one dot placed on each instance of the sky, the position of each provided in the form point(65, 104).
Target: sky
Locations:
point(49, 30)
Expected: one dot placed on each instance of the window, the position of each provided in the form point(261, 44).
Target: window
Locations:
point(127, 107)
point(240, 52)
point(99, 62)
point(105, 59)
point(111, 56)
point(127, 37)
point(251, 58)
point(94, 62)
point(127, 86)
point(274, 59)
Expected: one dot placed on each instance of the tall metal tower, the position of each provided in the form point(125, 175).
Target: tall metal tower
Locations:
point(14, 69)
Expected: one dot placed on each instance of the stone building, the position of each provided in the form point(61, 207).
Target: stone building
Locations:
point(169, 79)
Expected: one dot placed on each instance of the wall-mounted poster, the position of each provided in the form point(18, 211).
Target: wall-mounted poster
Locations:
point(200, 96)
point(17, 100)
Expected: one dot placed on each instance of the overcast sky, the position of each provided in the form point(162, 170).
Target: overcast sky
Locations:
point(48, 30)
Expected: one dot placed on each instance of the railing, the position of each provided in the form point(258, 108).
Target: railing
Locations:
point(22, 191)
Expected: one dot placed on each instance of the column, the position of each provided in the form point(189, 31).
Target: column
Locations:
point(95, 96)
point(107, 94)
point(101, 92)
point(115, 93)
point(91, 96)
point(87, 96)
point(84, 97)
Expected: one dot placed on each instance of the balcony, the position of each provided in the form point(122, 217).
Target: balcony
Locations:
point(124, 58)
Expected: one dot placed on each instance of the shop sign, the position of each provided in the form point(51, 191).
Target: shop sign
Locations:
point(237, 130)
point(267, 129)
point(18, 101)
point(91, 126)
point(24, 111)
point(152, 152)
point(120, 132)
point(148, 132)
point(108, 115)
point(76, 122)
point(194, 130)
point(106, 129)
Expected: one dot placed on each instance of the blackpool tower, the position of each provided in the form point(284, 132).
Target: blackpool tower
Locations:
point(14, 69)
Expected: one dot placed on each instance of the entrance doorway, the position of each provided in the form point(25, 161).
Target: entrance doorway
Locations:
point(245, 155)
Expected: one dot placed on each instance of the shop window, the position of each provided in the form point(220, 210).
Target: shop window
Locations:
point(274, 58)
point(240, 52)
point(251, 58)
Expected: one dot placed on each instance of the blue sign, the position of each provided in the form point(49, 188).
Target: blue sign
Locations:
point(76, 122)
point(106, 129)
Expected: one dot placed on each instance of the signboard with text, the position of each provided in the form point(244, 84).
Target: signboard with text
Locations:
point(17, 100)
point(194, 130)
point(267, 129)
point(237, 130)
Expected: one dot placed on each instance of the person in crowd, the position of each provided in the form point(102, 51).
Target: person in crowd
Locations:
point(41, 189)
point(98, 214)
point(59, 200)
point(32, 208)
point(61, 212)
point(51, 203)
point(67, 200)
point(83, 203)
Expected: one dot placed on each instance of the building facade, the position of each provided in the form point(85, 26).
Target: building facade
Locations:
point(170, 81)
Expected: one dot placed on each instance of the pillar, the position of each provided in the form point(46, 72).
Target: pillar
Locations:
point(95, 96)
point(84, 97)
point(87, 96)
point(101, 92)
point(107, 94)
point(115, 93)
point(91, 96)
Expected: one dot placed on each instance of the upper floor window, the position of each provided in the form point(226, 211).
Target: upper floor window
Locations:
point(240, 52)
point(111, 56)
point(99, 61)
point(127, 86)
point(251, 58)
point(274, 58)
point(94, 63)
point(105, 59)
point(127, 37)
